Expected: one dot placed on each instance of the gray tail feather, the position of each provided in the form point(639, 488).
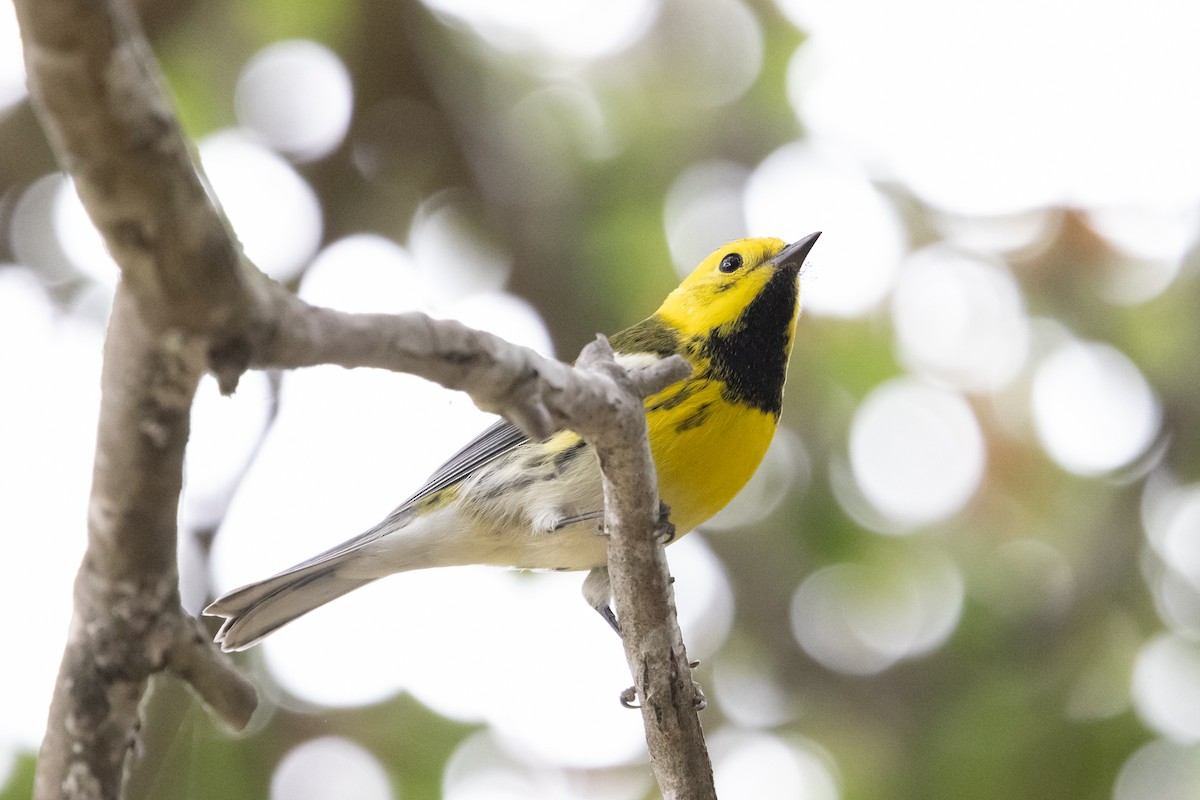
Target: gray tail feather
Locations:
point(259, 609)
point(254, 611)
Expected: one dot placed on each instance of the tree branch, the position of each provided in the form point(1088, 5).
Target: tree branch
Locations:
point(188, 303)
point(539, 394)
point(128, 622)
point(101, 101)
point(645, 602)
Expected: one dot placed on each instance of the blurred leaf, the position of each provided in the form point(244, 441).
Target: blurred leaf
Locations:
point(20, 782)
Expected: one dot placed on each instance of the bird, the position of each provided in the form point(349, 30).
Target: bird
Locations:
point(509, 501)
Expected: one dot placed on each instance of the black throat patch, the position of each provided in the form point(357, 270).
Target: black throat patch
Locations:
point(752, 360)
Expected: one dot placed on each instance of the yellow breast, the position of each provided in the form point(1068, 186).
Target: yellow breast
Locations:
point(705, 449)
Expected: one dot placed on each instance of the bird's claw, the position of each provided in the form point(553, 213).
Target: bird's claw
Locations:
point(611, 618)
point(666, 529)
point(628, 697)
point(699, 701)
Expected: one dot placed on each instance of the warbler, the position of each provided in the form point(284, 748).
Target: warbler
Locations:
point(508, 501)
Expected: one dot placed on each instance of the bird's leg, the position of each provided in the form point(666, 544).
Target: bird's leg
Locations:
point(609, 617)
point(597, 590)
point(565, 521)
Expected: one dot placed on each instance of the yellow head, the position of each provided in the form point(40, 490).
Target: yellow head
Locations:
point(735, 317)
point(723, 286)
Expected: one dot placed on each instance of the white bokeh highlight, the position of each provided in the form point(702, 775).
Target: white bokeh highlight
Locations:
point(917, 454)
point(703, 211)
point(482, 767)
point(861, 619)
point(454, 257)
point(1175, 598)
point(273, 211)
point(998, 234)
point(47, 435)
point(1155, 242)
point(566, 30)
point(34, 234)
point(297, 95)
point(1092, 409)
point(801, 188)
point(747, 692)
point(12, 65)
point(366, 273)
point(1166, 687)
point(330, 768)
point(80, 240)
point(767, 767)
point(709, 57)
point(960, 319)
point(969, 112)
point(1171, 516)
point(1160, 770)
point(225, 432)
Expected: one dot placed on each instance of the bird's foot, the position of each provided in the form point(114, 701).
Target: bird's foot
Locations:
point(666, 529)
point(628, 698)
point(699, 701)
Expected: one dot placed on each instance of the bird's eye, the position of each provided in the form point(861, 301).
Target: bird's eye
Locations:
point(731, 262)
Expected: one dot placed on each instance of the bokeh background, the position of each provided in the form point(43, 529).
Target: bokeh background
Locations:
point(970, 565)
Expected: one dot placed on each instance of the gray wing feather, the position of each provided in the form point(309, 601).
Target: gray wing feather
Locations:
point(494, 442)
point(498, 439)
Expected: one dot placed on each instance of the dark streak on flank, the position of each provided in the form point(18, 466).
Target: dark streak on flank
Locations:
point(500, 489)
point(695, 419)
point(751, 360)
point(678, 395)
point(564, 457)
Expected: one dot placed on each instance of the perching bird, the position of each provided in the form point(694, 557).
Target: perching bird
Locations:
point(508, 501)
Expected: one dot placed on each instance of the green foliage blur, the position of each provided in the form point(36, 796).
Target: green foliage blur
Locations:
point(986, 715)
